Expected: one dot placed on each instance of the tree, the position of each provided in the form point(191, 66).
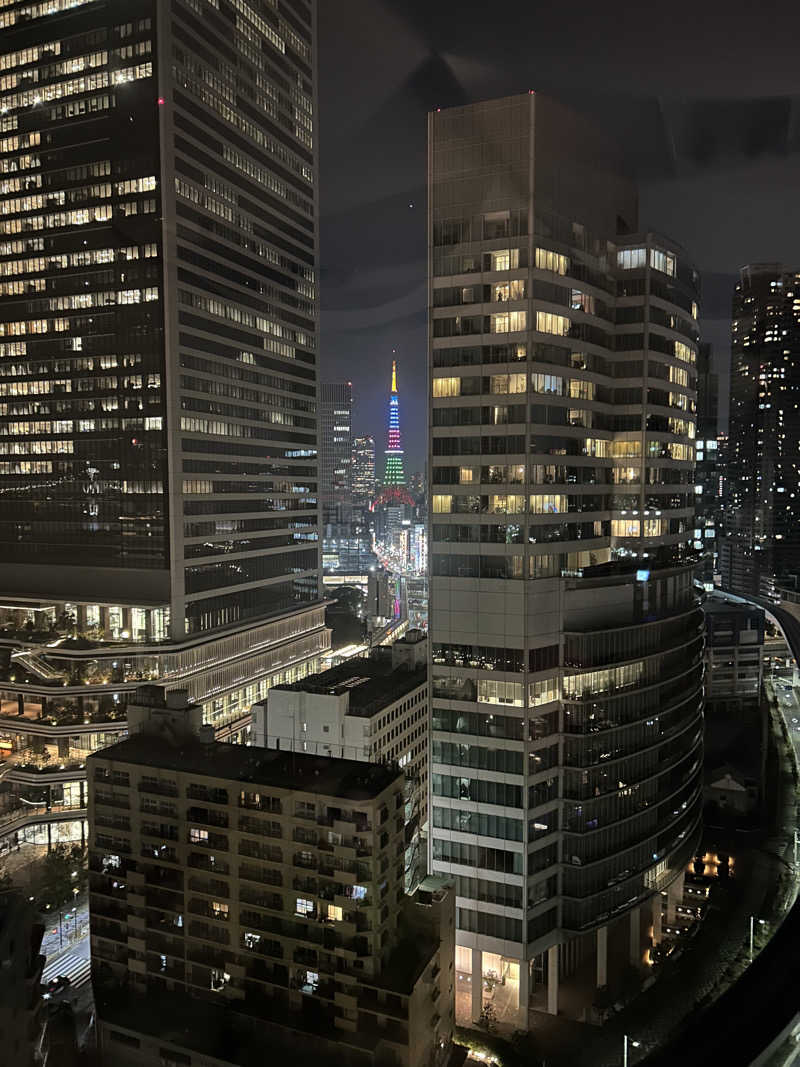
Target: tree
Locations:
point(488, 1019)
point(63, 870)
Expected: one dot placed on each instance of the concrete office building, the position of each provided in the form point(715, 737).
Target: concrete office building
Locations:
point(372, 709)
point(243, 897)
point(762, 524)
point(158, 370)
point(336, 451)
point(737, 713)
point(734, 654)
point(566, 638)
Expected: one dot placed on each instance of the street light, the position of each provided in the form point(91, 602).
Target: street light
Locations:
point(625, 1042)
point(761, 922)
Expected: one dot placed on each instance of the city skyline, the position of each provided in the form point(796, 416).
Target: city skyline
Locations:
point(702, 141)
point(399, 556)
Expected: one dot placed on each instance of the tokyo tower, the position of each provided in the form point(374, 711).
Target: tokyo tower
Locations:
point(393, 473)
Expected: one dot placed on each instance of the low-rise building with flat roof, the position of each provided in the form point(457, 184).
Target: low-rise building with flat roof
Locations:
point(364, 709)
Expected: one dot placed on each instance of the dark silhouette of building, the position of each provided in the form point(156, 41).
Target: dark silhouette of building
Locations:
point(708, 470)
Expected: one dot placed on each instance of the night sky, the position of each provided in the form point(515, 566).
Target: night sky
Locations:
point(703, 101)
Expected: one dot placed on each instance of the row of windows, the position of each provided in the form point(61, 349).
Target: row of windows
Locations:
point(479, 823)
point(490, 859)
point(501, 760)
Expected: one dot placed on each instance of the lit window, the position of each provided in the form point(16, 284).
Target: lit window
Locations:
point(508, 322)
point(624, 527)
point(662, 261)
point(304, 907)
point(334, 913)
point(197, 836)
point(631, 258)
point(446, 387)
point(547, 322)
point(553, 261)
point(548, 504)
point(505, 259)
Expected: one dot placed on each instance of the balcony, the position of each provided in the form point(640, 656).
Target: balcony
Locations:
point(207, 818)
point(210, 796)
point(308, 862)
point(162, 789)
point(210, 887)
point(264, 875)
point(109, 800)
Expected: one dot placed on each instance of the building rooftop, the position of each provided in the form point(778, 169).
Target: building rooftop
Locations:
point(715, 605)
point(372, 684)
point(348, 779)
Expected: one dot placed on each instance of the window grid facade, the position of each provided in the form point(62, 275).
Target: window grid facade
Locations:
point(597, 757)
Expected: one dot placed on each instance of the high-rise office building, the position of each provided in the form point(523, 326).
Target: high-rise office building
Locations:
point(364, 480)
point(336, 450)
point(708, 471)
point(158, 368)
point(566, 640)
point(762, 513)
point(245, 897)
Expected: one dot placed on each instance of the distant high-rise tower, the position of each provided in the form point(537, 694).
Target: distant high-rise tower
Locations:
point(708, 495)
point(393, 471)
point(762, 534)
point(364, 469)
point(336, 450)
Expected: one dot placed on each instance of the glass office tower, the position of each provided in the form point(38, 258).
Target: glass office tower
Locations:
point(761, 546)
point(158, 367)
point(566, 638)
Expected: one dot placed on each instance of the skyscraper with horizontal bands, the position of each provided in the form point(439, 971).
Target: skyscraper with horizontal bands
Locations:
point(566, 641)
point(158, 367)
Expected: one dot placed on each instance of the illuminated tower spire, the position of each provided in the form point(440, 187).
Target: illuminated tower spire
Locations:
point(393, 472)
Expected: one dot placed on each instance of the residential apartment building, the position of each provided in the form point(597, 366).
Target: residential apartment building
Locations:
point(566, 638)
point(336, 451)
point(243, 895)
point(762, 532)
point(158, 372)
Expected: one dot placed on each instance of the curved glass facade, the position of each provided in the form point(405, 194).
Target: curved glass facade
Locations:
point(562, 485)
